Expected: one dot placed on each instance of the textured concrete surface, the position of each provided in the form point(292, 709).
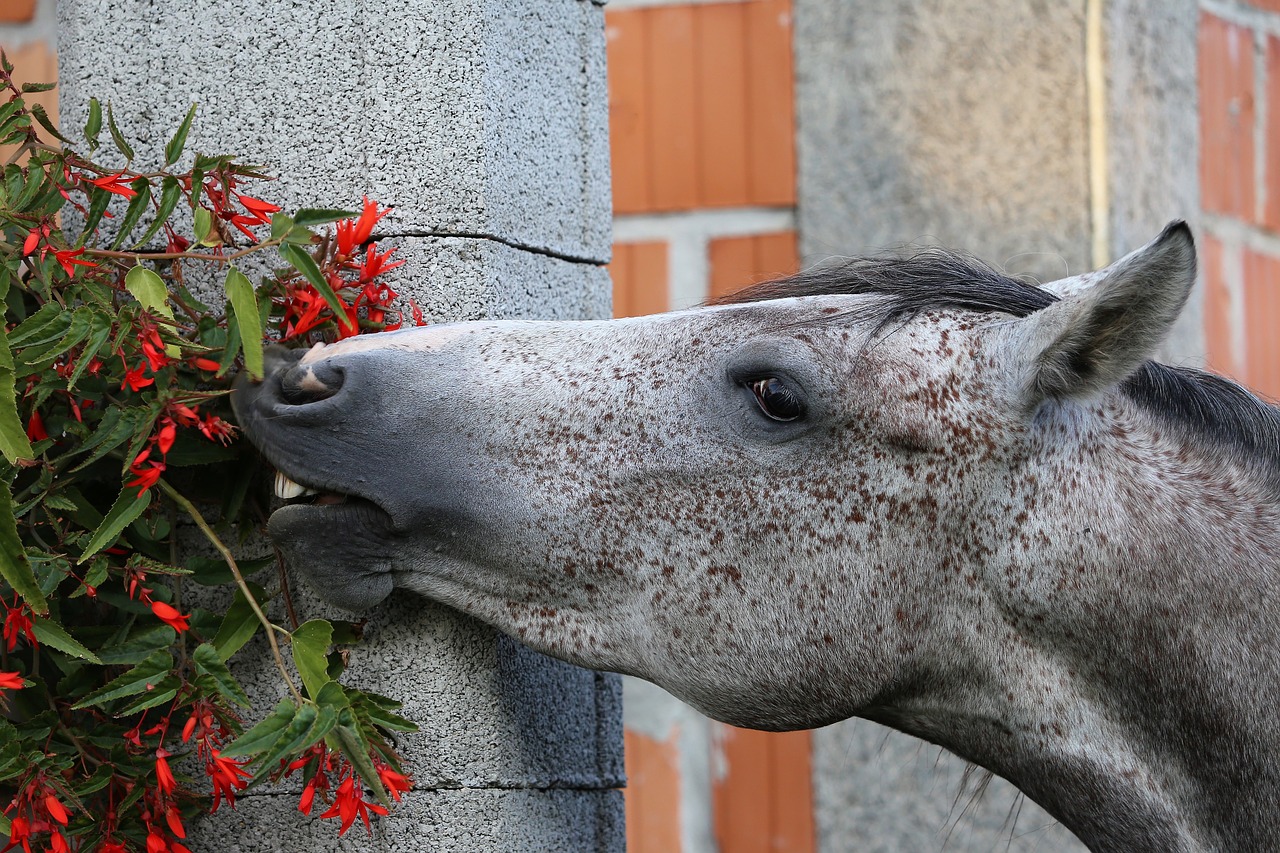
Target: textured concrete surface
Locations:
point(485, 124)
point(1154, 136)
point(441, 820)
point(470, 117)
point(960, 122)
point(881, 792)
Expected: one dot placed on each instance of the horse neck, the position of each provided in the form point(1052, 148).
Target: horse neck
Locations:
point(1142, 605)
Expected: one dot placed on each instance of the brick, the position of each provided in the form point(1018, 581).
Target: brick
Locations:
point(763, 802)
point(17, 11)
point(1266, 5)
point(1271, 168)
point(1262, 322)
point(34, 63)
point(639, 272)
point(1220, 335)
point(1227, 110)
point(739, 261)
point(701, 106)
point(652, 794)
point(626, 34)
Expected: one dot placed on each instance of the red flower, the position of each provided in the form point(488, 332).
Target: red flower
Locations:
point(113, 184)
point(171, 617)
point(184, 415)
point(57, 811)
point(356, 232)
point(71, 259)
point(134, 378)
point(58, 842)
point(395, 783)
point(110, 845)
point(35, 427)
point(258, 209)
point(152, 346)
point(228, 776)
point(216, 429)
point(40, 232)
point(348, 804)
point(173, 817)
point(417, 314)
point(164, 776)
point(18, 624)
point(20, 833)
point(166, 436)
point(145, 477)
point(206, 364)
point(375, 264)
point(11, 681)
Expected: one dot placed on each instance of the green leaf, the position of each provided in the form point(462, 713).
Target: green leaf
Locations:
point(52, 634)
point(309, 217)
point(280, 225)
point(134, 212)
point(379, 710)
point(211, 664)
point(356, 749)
point(248, 321)
point(306, 265)
point(239, 625)
point(128, 506)
point(149, 289)
point(116, 136)
point(138, 646)
point(93, 126)
point(14, 565)
point(99, 331)
point(308, 727)
point(36, 87)
point(145, 675)
point(38, 111)
point(34, 329)
point(310, 645)
point(156, 694)
point(266, 733)
point(169, 196)
point(99, 199)
point(116, 427)
point(173, 150)
point(205, 233)
point(13, 437)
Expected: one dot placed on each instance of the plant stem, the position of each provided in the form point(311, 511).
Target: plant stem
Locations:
point(169, 256)
point(190, 509)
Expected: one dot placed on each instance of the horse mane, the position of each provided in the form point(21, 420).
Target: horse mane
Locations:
point(1207, 406)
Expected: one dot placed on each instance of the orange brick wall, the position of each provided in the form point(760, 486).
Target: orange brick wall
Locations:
point(1239, 80)
point(33, 58)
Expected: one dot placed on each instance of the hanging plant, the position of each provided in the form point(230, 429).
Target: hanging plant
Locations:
point(115, 428)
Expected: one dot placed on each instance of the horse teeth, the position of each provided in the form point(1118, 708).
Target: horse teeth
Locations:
point(286, 488)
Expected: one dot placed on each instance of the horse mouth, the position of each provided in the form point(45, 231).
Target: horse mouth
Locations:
point(292, 493)
point(321, 505)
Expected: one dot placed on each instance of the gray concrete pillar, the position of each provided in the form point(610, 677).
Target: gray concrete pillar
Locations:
point(1044, 137)
point(484, 122)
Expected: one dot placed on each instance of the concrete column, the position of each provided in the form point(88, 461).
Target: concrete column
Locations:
point(484, 122)
point(1044, 137)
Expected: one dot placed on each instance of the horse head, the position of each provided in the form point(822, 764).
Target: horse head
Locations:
point(913, 490)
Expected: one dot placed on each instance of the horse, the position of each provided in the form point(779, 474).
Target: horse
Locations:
point(910, 489)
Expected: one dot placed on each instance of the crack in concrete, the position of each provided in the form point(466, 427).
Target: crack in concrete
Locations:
point(514, 244)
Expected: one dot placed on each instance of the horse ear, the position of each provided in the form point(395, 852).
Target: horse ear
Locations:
point(1093, 338)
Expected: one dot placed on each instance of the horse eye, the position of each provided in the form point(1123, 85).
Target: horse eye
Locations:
point(776, 400)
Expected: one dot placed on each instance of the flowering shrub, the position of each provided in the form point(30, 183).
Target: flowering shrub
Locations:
point(114, 427)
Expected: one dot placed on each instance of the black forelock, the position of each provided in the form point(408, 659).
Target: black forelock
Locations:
point(1213, 408)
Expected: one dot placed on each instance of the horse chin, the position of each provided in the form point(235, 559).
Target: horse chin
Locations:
point(341, 549)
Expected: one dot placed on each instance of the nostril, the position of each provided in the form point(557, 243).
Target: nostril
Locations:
point(310, 383)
